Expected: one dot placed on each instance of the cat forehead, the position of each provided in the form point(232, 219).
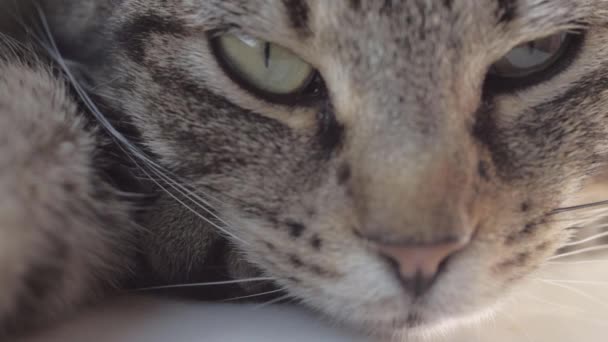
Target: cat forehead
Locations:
point(368, 25)
point(401, 39)
point(306, 15)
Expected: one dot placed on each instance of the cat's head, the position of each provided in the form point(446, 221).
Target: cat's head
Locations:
point(393, 164)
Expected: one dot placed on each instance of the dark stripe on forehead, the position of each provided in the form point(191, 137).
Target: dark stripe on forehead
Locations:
point(355, 4)
point(387, 7)
point(299, 15)
point(507, 10)
point(134, 34)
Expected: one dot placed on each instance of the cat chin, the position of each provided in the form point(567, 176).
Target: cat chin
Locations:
point(431, 329)
point(422, 328)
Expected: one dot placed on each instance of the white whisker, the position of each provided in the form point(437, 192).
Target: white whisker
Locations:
point(580, 282)
point(274, 301)
point(576, 291)
point(593, 205)
point(579, 252)
point(199, 215)
point(577, 219)
point(557, 305)
point(103, 84)
point(121, 139)
point(214, 283)
point(253, 295)
point(589, 239)
point(582, 262)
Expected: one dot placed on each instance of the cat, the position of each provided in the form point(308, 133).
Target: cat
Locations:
point(394, 165)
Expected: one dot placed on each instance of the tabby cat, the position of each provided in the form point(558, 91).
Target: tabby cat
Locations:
point(395, 165)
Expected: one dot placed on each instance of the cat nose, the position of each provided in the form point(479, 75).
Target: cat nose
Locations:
point(419, 265)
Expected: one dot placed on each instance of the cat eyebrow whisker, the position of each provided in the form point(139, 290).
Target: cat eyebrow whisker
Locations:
point(199, 205)
point(124, 143)
point(190, 195)
point(213, 283)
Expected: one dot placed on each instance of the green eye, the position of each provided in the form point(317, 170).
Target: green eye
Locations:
point(263, 67)
point(534, 62)
point(532, 57)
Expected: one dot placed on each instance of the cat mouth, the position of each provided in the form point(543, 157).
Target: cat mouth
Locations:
point(410, 325)
point(408, 320)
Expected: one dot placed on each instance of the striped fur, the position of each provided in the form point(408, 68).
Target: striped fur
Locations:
point(407, 146)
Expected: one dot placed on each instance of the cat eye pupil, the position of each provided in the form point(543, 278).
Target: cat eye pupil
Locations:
point(267, 70)
point(267, 55)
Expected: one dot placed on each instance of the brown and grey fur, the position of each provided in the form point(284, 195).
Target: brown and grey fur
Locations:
point(408, 146)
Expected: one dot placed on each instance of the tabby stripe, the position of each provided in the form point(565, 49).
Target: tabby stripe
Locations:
point(355, 4)
point(298, 13)
point(507, 10)
point(554, 129)
point(134, 34)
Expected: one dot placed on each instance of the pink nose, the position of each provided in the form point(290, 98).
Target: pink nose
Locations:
point(418, 265)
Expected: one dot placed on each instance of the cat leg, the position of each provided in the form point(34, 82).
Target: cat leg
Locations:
point(65, 233)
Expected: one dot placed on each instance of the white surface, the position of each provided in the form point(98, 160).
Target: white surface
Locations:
point(567, 312)
point(154, 320)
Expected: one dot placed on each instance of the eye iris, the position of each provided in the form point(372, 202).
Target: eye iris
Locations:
point(532, 57)
point(264, 66)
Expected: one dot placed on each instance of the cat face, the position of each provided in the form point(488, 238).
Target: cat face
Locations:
point(406, 150)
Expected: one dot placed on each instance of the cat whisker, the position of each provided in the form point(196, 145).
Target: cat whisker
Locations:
point(166, 174)
point(185, 191)
point(556, 305)
point(566, 312)
point(579, 207)
point(599, 224)
point(586, 240)
point(188, 195)
point(575, 291)
point(579, 252)
point(582, 262)
point(192, 210)
point(254, 295)
point(583, 218)
point(134, 151)
point(175, 179)
point(580, 282)
point(93, 89)
point(579, 218)
point(213, 283)
point(274, 301)
point(573, 314)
